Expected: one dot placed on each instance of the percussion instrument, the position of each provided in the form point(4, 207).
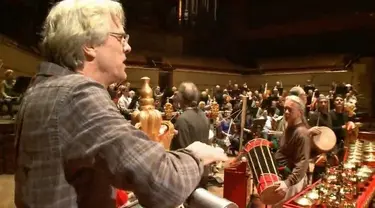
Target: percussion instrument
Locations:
point(214, 109)
point(325, 140)
point(201, 198)
point(263, 167)
point(168, 109)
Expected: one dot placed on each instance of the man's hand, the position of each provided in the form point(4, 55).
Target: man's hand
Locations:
point(282, 189)
point(350, 126)
point(206, 153)
point(314, 131)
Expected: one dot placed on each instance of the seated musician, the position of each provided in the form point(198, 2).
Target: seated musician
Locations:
point(227, 103)
point(223, 123)
point(269, 121)
point(124, 102)
point(234, 139)
point(8, 97)
point(294, 151)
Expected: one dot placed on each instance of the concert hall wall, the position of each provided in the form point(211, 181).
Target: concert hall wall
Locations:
point(204, 79)
point(22, 62)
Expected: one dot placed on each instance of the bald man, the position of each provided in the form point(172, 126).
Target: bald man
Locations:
point(296, 91)
point(294, 151)
point(192, 125)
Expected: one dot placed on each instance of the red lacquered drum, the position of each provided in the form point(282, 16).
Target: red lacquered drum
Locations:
point(263, 167)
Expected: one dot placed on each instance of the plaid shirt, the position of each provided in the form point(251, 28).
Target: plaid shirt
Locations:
point(74, 146)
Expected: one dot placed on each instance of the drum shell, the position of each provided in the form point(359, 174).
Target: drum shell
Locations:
point(263, 167)
point(325, 141)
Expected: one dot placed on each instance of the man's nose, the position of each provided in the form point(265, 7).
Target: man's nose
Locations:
point(127, 48)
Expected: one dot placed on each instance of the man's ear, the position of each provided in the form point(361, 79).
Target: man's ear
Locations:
point(89, 51)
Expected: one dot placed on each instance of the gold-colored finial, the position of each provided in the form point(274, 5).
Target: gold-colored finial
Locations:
point(146, 100)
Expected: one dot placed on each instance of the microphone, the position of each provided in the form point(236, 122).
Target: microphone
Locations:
point(201, 198)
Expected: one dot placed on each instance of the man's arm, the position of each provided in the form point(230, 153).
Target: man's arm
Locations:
point(2, 88)
point(301, 142)
point(95, 128)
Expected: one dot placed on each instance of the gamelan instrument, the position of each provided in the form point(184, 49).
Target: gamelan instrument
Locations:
point(325, 141)
point(201, 198)
point(168, 110)
point(263, 167)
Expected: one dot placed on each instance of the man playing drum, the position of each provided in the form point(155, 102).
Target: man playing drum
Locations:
point(317, 119)
point(294, 151)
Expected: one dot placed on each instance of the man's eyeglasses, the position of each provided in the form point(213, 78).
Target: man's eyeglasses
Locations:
point(121, 37)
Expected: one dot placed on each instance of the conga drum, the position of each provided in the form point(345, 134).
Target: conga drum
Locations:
point(325, 141)
point(263, 167)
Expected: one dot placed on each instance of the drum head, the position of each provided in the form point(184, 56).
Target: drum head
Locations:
point(326, 140)
point(269, 195)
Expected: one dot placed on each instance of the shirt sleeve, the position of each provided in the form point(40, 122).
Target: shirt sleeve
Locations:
point(135, 163)
point(281, 159)
point(302, 144)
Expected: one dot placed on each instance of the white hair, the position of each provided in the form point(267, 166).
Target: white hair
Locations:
point(71, 24)
point(301, 106)
point(298, 101)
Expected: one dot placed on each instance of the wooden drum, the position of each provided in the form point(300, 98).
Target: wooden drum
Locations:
point(325, 141)
point(263, 167)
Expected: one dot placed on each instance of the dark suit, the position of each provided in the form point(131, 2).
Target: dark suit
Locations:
point(320, 119)
point(192, 125)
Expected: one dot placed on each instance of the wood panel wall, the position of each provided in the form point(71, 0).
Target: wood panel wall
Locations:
point(22, 62)
point(25, 63)
point(322, 80)
point(203, 79)
point(134, 75)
